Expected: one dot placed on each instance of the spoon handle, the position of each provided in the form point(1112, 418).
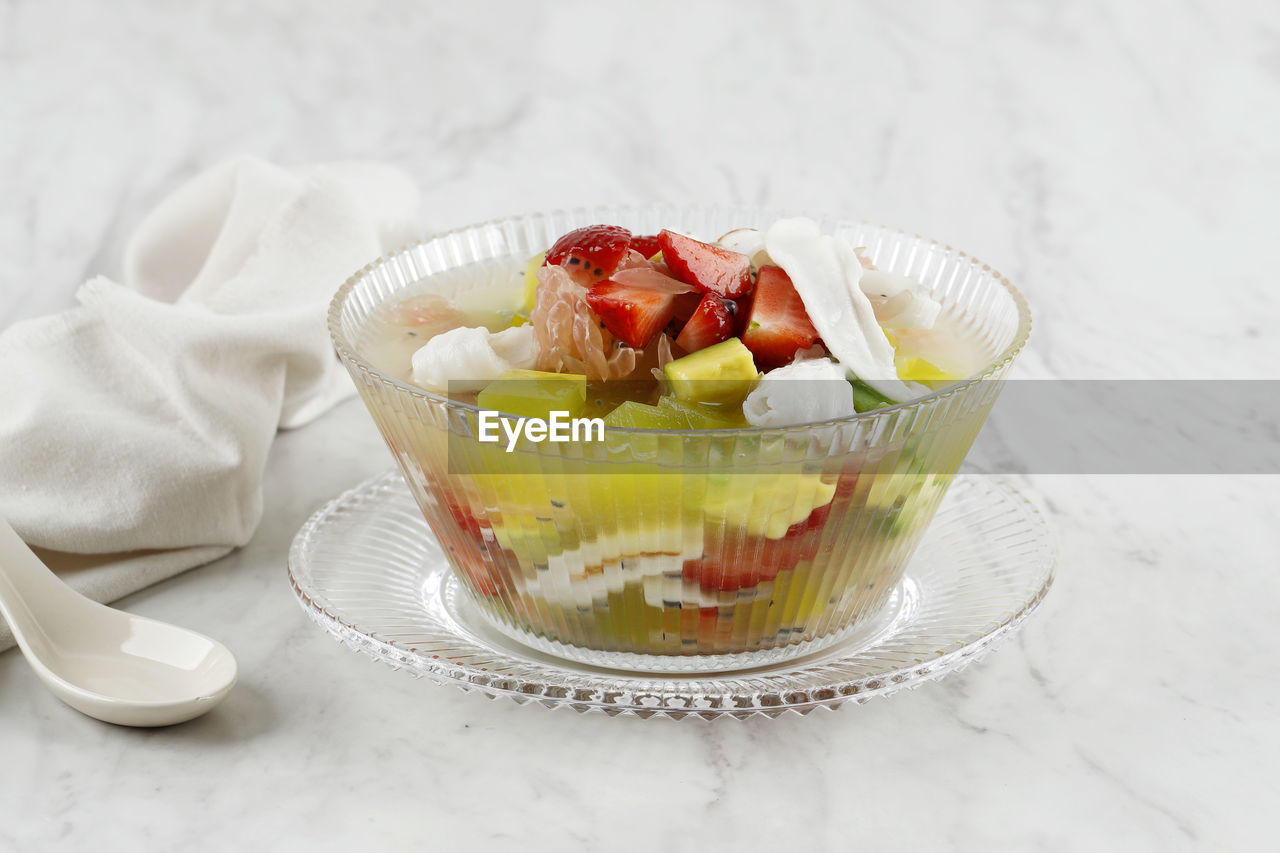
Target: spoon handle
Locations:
point(25, 582)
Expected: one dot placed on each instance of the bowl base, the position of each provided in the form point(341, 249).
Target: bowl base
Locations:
point(367, 569)
point(442, 589)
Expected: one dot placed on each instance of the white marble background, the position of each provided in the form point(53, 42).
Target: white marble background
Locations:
point(1119, 161)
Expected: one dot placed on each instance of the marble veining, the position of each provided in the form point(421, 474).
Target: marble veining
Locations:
point(1117, 162)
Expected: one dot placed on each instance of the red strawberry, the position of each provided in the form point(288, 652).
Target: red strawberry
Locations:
point(749, 560)
point(711, 323)
point(713, 629)
point(470, 553)
point(464, 519)
point(646, 245)
point(711, 269)
point(592, 253)
point(777, 325)
point(633, 314)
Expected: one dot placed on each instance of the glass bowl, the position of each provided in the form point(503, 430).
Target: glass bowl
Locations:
point(675, 550)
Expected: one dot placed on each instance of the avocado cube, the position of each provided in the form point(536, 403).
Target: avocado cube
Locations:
point(641, 416)
point(702, 416)
point(722, 373)
point(535, 394)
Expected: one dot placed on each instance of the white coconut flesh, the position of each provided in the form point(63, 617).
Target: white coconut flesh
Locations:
point(826, 274)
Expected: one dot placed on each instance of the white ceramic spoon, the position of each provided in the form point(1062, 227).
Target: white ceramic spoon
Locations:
point(111, 665)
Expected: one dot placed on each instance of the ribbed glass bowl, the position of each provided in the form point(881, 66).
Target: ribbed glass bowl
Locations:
point(676, 550)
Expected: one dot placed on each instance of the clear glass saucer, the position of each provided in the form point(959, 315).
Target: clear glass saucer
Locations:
point(367, 569)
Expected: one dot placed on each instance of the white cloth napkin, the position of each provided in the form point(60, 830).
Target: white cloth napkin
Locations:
point(135, 426)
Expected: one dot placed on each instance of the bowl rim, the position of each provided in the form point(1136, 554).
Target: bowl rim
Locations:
point(349, 353)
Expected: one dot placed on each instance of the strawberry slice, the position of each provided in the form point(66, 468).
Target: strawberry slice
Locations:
point(711, 323)
point(750, 560)
point(592, 253)
point(633, 314)
point(777, 324)
point(711, 269)
point(646, 244)
point(742, 567)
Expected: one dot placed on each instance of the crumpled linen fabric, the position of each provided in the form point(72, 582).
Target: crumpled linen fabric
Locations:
point(134, 427)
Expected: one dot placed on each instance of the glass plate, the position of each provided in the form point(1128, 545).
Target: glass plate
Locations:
point(368, 570)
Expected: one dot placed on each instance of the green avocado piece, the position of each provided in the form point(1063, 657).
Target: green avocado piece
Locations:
point(721, 373)
point(866, 398)
point(641, 416)
point(535, 394)
point(705, 417)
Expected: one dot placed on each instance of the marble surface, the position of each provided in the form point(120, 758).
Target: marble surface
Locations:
point(1118, 162)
